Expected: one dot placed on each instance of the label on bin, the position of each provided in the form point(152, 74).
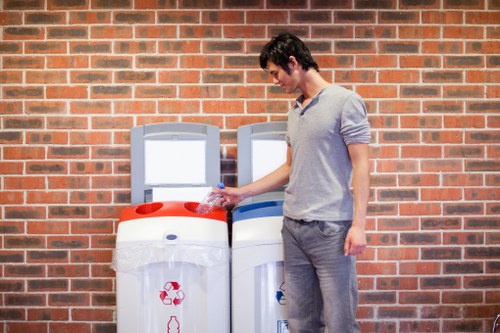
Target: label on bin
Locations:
point(282, 326)
point(172, 294)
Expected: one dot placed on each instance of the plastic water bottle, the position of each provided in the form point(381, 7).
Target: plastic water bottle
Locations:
point(208, 203)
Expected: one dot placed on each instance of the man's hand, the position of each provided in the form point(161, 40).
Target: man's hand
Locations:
point(355, 242)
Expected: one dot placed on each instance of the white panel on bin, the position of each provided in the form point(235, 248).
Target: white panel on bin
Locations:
point(261, 149)
point(175, 161)
point(165, 155)
point(267, 155)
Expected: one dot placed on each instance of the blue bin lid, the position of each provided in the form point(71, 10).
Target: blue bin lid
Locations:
point(258, 209)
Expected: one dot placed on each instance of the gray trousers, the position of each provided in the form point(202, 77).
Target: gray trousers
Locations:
point(321, 285)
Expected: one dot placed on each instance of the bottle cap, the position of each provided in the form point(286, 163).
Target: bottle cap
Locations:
point(221, 186)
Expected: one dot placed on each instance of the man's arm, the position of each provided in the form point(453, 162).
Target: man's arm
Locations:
point(276, 179)
point(355, 242)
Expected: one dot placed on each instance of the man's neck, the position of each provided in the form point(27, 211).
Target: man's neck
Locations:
point(312, 84)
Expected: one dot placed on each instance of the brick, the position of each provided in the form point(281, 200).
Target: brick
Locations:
point(47, 285)
point(62, 242)
point(105, 327)
point(90, 47)
point(11, 256)
point(156, 92)
point(111, 4)
point(46, 77)
point(91, 256)
point(400, 283)
point(42, 18)
point(10, 18)
point(274, 17)
point(12, 242)
point(377, 298)
point(397, 253)
point(462, 180)
point(67, 33)
point(8, 227)
point(463, 92)
point(92, 314)
point(441, 166)
point(397, 312)
point(49, 314)
point(67, 62)
point(12, 314)
point(22, 93)
point(354, 17)
point(420, 238)
point(104, 299)
point(69, 212)
point(440, 283)
point(133, 17)
point(463, 268)
point(420, 180)
point(156, 62)
point(110, 92)
point(400, 17)
point(449, 253)
point(354, 47)
point(463, 209)
point(66, 92)
point(10, 77)
point(152, 32)
point(25, 300)
point(418, 61)
point(46, 48)
point(37, 256)
point(462, 297)
point(26, 327)
point(441, 311)
point(89, 17)
point(201, 32)
point(10, 47)
point(419, 326)
point(484, 18)
point(58, 270)
point(370, 268)
point(90, 77)
point(419, 297)
point(481, 223)
point(57, 327)
point(394, 224)
point(47, 227)
point(24, 271)
point(126, 47)
point(397, 195)
point(442, 106)
point(15, 33)
point(377, 4)
point(451, 194)
point(377, 32)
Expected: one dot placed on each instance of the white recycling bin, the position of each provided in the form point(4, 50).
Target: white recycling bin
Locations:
point(172, 270)
point(258, 295)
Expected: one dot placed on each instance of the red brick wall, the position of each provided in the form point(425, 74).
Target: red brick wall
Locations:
point(77, 75)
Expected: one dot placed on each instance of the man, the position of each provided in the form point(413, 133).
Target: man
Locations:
point(324, 223)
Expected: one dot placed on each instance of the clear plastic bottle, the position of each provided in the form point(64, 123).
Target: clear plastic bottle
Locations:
point(208, 203)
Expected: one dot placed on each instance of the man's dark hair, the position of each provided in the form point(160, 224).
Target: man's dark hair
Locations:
point(280, 48)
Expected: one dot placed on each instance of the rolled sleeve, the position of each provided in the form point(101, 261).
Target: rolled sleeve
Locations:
point(355, 127)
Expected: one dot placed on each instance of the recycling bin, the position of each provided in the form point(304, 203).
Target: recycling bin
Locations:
point(172, 269)
point(257, 279)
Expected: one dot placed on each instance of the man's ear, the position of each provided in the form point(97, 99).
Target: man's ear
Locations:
point(292, 62)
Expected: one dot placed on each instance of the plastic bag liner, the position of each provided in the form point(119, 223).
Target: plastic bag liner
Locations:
point(134, 258)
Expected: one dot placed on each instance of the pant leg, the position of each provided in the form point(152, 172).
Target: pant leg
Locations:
point(303, 296)
point(336, 274)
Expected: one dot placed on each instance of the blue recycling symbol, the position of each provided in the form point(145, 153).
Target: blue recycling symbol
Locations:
point(280, 294)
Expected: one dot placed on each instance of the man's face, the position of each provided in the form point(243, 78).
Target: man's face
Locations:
point(281, 77)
